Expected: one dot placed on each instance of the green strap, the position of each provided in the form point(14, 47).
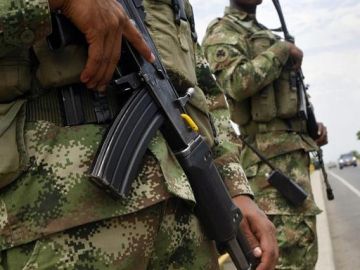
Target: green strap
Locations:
point(9, 114)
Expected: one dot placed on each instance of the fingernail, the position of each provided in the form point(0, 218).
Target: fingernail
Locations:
point(152, 58)
point(102, 88)
point(91, 86)
point(257, 252)
point(84, 78)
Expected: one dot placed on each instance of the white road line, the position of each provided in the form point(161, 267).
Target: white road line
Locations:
point(345, 183)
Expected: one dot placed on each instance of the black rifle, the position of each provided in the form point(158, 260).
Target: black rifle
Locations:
point(329, 191)
point(153, 105)
point(306, 110)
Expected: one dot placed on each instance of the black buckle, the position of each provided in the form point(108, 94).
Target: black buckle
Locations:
point(179, 10)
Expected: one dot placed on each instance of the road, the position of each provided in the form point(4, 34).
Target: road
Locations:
point(344, 217)
point(339, 225)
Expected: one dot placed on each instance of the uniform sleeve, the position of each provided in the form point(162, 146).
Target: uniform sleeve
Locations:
point(227, 150)
point(22, 23)
point(238, 74)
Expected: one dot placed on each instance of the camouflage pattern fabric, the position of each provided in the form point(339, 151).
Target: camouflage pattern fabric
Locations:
point(164, 236)
point(243, 68)
point(241, 73)
point(55, 194)
point(296, 227)
point(295, 165)
point(228, 144)
point(296, 236)
point(22, 23)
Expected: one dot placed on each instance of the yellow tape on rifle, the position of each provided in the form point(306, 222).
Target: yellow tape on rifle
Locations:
point(190, 122)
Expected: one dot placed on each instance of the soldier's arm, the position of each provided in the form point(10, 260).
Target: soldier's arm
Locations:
point(238, 74)
point(103, 23)
point(259, 231)
point(227, 151)
point(22, 23)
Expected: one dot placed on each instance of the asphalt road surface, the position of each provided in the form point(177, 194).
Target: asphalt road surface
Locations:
point(344, 217)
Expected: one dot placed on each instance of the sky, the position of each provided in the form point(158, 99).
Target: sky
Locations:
point(328, 32)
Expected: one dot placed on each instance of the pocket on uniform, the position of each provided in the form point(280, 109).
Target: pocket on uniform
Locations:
point(15, 75)
point(173, 42)
point(239, 111)
point(13, 156)
point(60, 67)
point(286, 96)
point(261, 41)
point(263, 105)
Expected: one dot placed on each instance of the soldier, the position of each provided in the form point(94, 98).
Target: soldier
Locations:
point(52, 216)
point(253, 65)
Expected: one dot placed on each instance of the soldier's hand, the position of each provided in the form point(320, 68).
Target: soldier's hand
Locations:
point(322, 132)
point(296, 56)
point(259, 231)
point(103, 22)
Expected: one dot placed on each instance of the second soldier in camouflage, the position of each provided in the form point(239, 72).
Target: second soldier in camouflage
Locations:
point(253, 67)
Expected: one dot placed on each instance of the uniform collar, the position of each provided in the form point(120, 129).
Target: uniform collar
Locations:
point(242, 15)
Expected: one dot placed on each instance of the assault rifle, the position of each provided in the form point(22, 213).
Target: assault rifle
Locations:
point(306, 110)
point(153, 105)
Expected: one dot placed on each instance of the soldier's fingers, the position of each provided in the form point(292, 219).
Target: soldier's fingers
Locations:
point(95, 59)
point(136, 39)
point(251, 238)
point(269, 252)
point(99, 75)
point(297, 64)
point(267, 258)
point(113, 60)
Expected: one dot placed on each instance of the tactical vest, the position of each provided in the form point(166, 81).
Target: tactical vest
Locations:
point(273, 108)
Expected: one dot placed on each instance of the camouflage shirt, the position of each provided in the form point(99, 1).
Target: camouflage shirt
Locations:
point(55, 193)
point(22, 23)
point(243, 68)
point(241, 74)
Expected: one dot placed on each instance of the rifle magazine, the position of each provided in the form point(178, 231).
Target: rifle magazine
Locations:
point(125, 144)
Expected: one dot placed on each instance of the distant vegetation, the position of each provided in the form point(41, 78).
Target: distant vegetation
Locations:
point(356, 154)
point(358, 135)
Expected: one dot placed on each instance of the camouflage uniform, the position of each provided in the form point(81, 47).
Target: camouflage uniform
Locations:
point(250, 63)
point(52, 216)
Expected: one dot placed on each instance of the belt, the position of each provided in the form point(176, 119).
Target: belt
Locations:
point(73, 105)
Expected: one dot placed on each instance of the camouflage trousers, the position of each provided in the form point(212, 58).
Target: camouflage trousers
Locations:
point(296, 227)
point(297, 241)
point(164, 236)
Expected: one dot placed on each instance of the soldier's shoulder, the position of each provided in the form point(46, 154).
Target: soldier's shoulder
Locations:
point(219, 32)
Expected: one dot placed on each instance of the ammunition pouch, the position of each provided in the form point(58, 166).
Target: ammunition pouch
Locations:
point(177, 59)
point(276, 101)
point(239, 111)
point(13, 156)
point(59, 67)
point(263, 105)
point(286, 96)
point(15, 75)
